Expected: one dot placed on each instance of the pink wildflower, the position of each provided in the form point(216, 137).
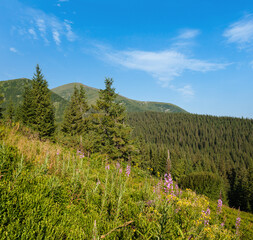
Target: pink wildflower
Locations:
point(219, 207)
point(168, 182)
point(117, 165)
point(107, 167)
point(128, 170)
point(237, 224)
point(206, 216)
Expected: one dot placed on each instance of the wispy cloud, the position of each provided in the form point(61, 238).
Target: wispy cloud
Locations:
point(188, 34)
point(241, 32)
point(164, 66)
point(39, 24)
point(63, 0)
point(33, 33)
point(185, 39)
point(186, 91)
point(14, 50)
point(56, 37)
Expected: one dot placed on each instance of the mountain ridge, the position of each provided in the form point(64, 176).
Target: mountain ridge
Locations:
point(13, 90)
point(66, 90)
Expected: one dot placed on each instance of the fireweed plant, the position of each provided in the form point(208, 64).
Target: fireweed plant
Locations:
point(51, 192)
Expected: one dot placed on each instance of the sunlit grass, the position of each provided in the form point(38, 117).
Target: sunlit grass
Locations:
point(48, 191)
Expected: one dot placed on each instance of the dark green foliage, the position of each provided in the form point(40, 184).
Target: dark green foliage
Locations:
point(109, 123)
point(37, 108)
point(10, 112)
point(206, 183)
point(13, 90)
point(1, 102)
point(75, 120)
point(197, 143)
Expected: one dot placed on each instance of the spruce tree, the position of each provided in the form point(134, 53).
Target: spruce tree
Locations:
point(1, 101)
point(110, 124)
point(74, 122)
point(37, 107)
point(10, 111)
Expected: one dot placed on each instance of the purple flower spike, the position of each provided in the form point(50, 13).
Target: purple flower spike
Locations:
point(107, 167)
point(219, 207)
point(237, 225)
point(128, 170)
point(117, 165)
point(206, 216)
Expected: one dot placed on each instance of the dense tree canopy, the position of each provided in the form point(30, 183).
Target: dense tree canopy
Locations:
point(109, 123)
point(37, 108)
point(75, 122)
point(197, 143)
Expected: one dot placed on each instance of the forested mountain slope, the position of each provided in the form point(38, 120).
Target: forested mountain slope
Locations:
point(199, 144)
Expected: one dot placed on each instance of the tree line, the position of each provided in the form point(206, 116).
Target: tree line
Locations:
point(99, 128)
point(212, 155)
point(204, 150)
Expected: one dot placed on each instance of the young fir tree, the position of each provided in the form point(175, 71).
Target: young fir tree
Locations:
point(37, 107)
point(10, 112)
point(1, 101)
point(114, 134)
point(74, 122)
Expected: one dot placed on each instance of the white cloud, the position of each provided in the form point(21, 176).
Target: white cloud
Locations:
point(33, 33)
point(70, 34)
point(40, 25)
point(188, 34)
point(12, 49)
point(241, 32)
point(56, 37)
point(164, 65)
point(186, 91)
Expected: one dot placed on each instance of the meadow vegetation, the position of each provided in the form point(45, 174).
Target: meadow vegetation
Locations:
point(87, 178)
point(52, 192)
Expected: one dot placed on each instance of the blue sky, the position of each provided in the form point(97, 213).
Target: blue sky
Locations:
point(193, 53)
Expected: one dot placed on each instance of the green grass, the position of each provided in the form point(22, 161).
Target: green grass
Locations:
point(51, 192)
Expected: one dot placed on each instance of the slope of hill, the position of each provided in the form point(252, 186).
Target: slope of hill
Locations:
point(65, 91)
point(13, 90)
point(48, 191)
point(199, 144)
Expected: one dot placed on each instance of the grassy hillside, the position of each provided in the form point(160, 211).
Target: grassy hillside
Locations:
point(14, 89)
point(199, 145)
point(67, 90)
point(51, 192)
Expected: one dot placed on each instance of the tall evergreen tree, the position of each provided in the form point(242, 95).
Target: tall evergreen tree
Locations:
point(37, 107)
point(1, 101)
point(75, 122)
point(110, 124)
point(10, 111)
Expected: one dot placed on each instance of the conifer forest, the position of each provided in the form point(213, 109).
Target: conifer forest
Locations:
point(93, 170)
